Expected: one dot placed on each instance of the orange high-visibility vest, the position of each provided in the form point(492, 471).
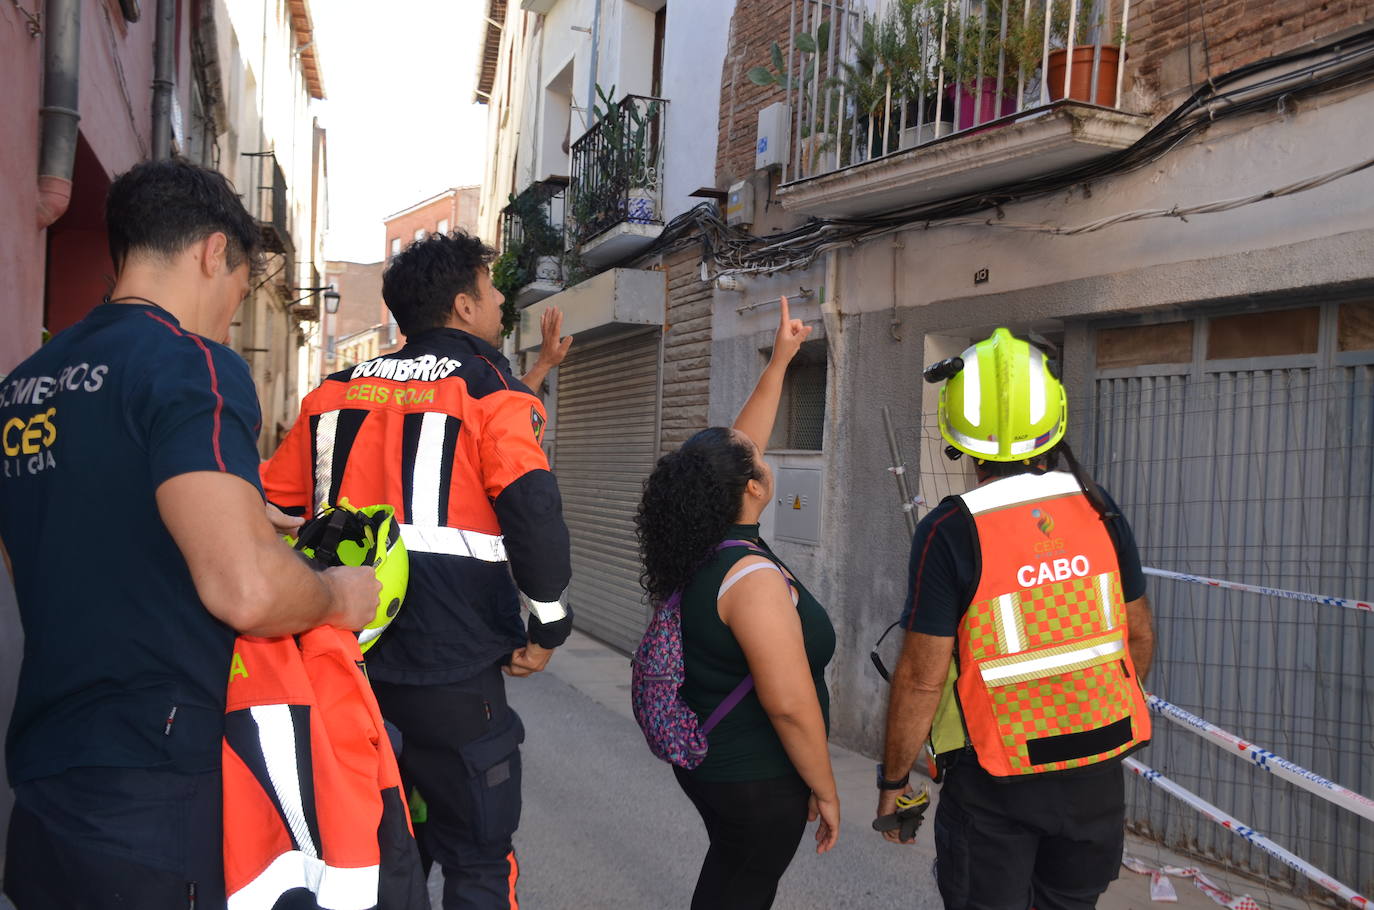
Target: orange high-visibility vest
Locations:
point(312, 795)
point(1044, 678)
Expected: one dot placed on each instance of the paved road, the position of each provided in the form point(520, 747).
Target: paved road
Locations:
point(605, 825)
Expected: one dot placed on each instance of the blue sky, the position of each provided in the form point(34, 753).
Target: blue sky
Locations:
point(401, 122)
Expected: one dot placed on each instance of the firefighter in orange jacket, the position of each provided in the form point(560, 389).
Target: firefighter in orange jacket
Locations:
point(1027, 636)
point(444, 433)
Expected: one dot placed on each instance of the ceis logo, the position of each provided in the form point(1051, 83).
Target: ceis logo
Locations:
point(1051, 545)
point(28, 442)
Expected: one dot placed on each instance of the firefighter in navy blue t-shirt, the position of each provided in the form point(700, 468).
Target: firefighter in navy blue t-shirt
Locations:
point(139, 543)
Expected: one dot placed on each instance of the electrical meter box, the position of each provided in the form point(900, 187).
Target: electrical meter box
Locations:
point(774, 129)
point(739, 204)
point(798, 504)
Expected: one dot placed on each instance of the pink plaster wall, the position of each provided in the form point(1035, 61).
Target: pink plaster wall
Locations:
point(21, 243)
point(116, 117)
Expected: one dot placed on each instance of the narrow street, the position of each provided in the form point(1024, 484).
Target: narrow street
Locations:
point(605, 825)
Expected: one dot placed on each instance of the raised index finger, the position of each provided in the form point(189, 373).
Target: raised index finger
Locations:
point(786, 317)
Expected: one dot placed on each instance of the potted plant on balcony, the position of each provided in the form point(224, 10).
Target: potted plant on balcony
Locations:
point(974, 50)
point(1028, 37)
point(628, 153)
point(541, 241)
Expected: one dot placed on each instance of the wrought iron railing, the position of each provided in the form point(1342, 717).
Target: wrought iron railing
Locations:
point(617, 169)
point(268, 202)
point(869, 78)
point(533, 228)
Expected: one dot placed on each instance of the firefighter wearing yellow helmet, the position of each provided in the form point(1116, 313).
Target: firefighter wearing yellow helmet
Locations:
point(1033, 580)
point(1005, 404)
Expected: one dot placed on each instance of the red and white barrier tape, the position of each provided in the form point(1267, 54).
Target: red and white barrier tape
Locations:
point(1361, 605)
point(1263, 758)
point(1162, 889)
point(1236, 827)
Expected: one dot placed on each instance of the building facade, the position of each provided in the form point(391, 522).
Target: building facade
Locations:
point(360, 312)
point(1184, 223)
point(240, 79)
point(453, 209)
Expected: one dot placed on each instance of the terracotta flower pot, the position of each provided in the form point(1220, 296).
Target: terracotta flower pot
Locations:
point(1080, 81)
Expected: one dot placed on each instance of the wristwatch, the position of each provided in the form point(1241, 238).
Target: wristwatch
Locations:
point(895, 784)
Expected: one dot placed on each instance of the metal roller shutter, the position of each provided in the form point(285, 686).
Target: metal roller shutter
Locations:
point(1257, 471)
point(606, 445)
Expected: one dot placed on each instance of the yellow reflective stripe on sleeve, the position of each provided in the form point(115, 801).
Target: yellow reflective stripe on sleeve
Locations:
point(454, 542)
point(547, 611)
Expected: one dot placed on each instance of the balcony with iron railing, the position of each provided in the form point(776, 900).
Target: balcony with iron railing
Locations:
point(268, 201)
point(898, 102)
point(533, 241)
point(615, 198)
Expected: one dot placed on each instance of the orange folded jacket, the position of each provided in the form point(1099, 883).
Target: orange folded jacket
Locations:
point(313, 801)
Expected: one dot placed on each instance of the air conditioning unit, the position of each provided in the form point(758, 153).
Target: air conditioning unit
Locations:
point(775, 122)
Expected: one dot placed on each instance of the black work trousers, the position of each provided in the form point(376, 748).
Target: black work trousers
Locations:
point(1052, 843)
point(460, 748)
point(115, 838)
point(754, 827)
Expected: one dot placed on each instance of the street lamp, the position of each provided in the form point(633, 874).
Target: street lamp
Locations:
point(331, 297)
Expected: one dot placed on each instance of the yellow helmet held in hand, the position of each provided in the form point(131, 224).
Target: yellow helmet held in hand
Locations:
point(1004, 404)
point(370, 536)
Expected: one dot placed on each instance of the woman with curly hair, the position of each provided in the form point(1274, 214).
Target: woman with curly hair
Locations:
point(767, 770)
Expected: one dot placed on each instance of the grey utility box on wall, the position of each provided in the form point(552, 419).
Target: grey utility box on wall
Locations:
point(798, 504)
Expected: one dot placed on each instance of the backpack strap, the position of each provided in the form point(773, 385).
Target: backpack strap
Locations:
point(746, 685)
point(728, 704)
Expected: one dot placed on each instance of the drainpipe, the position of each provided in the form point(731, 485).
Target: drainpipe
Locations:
point(591, 81)
point(164, 48)
point(59, 114)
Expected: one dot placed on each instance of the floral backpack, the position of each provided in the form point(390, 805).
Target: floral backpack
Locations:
point(657, 672)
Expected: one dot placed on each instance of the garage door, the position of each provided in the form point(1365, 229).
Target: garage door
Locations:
point(1240, 445)
point(606, 446)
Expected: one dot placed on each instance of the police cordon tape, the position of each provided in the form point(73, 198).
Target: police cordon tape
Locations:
point(1238, 828)
point(1263, 758)
point(1361, 605)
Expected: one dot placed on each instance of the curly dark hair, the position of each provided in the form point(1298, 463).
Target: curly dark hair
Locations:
point(420, 283)
point(690, 501)
point(162, 207)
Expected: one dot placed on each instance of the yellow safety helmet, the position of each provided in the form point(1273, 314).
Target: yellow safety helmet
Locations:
point(1004, 404)
point(370, 536)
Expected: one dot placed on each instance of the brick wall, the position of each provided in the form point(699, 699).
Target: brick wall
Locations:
point(1221, 35)
point(754, 27)
point(686, 350)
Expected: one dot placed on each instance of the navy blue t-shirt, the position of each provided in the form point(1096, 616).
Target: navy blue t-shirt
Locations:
point(942, 576)
point(123, 666)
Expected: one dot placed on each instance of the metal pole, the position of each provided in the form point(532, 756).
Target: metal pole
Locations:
point(596, 47)
point(164, 49)
point(61, 109)
point(898, 470)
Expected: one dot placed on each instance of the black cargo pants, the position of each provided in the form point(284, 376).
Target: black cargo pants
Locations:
point(461, 750)
point(1052, 843)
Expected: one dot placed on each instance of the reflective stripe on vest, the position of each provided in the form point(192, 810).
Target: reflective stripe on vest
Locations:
point(1044, 677)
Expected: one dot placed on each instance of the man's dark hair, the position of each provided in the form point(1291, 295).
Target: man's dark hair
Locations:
point(422, 280)
point(162, 207)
